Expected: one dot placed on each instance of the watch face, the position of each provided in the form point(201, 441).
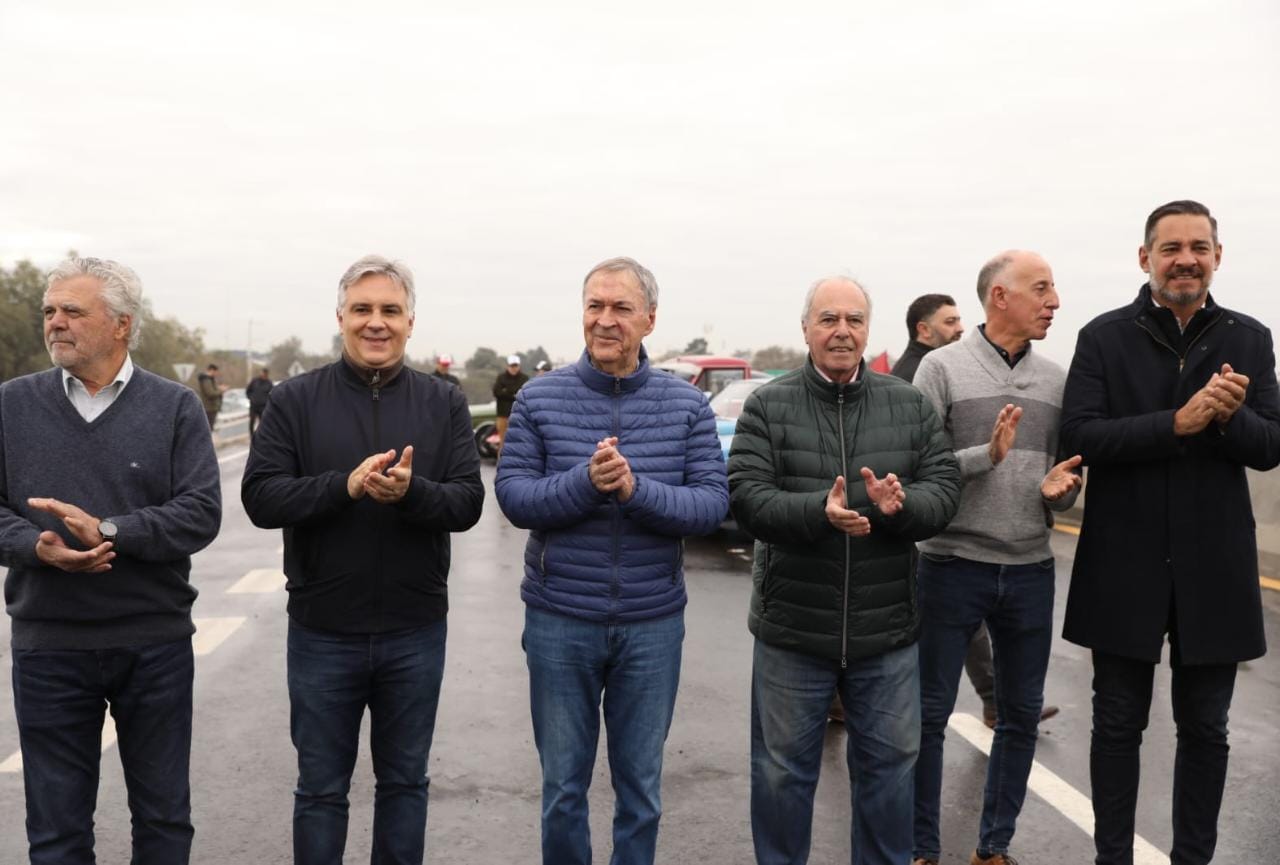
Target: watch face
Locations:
point(107, 529)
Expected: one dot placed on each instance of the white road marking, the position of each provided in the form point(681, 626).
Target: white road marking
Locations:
point(235, 456)
point(211, 632)
point(14, 763)
point(1067, 800)
point(259, 581)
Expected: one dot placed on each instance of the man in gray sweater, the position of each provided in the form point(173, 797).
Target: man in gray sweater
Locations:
point(108, 484)
point(993, 562)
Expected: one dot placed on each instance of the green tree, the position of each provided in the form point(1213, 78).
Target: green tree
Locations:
point(777, 357)
point(21, 321)
point(166, 341)
point(697, 345)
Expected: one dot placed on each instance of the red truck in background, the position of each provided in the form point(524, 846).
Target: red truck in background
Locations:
point(709, 373)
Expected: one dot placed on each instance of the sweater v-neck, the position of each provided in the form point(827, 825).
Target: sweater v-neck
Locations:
point(104, 417)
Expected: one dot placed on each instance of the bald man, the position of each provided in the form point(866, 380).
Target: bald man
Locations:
point(999, 403)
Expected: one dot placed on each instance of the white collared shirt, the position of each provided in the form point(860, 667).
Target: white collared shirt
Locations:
point(90, 406)
point(856, 372)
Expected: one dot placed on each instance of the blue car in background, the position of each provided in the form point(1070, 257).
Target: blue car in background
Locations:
point(727, 406)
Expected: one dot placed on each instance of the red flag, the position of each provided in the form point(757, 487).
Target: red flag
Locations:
point(880, 363)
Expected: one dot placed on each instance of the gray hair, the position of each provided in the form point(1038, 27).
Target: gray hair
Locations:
point(990, 272)
point(813, 289)
point(121, 288)
point(648, 284)
point(375, 265)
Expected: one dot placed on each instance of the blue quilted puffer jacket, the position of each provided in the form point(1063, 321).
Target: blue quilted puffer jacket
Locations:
point(588, 555)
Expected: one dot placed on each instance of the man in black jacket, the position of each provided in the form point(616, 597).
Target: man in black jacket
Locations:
point(367, 465)
point(932, 322)
point(1168, 400)
point(505, 388)
point(258, 391)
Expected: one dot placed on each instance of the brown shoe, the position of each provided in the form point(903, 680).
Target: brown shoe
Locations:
point(993, 859)
point(1045, 714)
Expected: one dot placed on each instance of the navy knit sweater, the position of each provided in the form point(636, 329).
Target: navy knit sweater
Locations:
point(147, 464)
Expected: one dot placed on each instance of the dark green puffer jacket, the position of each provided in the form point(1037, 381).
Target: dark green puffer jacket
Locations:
point(817, 590)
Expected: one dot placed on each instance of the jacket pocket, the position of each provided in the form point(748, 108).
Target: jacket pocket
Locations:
point(542, 558)
point(765, 577)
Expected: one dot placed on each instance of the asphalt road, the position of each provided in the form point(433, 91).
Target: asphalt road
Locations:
point(485, 779)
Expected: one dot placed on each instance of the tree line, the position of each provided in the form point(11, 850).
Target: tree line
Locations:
point(167, 341)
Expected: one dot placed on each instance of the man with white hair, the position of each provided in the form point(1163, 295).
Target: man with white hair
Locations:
point(836, 471)
point(108, 485)
point(368, 465)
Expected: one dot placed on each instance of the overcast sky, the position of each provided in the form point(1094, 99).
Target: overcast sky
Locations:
point(239, 156)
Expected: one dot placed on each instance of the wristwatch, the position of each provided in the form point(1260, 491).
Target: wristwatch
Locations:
point(108, 530)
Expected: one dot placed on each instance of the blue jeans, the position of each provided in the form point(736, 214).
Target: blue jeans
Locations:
point(60, 698)
point(332, 678)
point(1016, 602)
point(790, 693)
point(636, 666)
point(1121, 703)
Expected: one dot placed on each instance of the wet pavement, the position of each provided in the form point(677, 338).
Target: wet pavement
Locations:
point(484, 773)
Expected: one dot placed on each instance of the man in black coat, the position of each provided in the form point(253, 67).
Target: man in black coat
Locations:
point(1168, 400)
point(258, 391)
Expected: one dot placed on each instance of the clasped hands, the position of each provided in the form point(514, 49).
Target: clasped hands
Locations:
point(609, 470)
point(1219, 399)
point(53, 550)
point(380, 479)
point(885, 493)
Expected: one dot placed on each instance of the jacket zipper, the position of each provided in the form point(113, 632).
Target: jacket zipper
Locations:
point(844, 471)
point(616, 588)
point(542, 558)
point(1182, 358)
point(376, 382)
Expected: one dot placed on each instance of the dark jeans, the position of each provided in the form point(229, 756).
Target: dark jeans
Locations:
point(1016, 601)
point(1121, 703)
point(790, 693)
point(255, 418)
point(60, 698)
point(332, 678)
point(981, 670)
point(635, 668)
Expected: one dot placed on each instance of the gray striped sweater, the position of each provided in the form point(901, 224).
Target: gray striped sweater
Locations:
point(1002, 518)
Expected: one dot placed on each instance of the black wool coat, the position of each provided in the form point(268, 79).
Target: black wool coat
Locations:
point(1168, 540)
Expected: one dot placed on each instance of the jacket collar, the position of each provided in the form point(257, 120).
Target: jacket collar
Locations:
point(606, 383)
point(367, 377)
point(829, 391)
point(1145, 303)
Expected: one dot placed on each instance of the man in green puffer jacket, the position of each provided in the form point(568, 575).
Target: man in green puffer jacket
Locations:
point(834, 603)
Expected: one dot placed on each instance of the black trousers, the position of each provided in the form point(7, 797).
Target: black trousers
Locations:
point(1121, 703)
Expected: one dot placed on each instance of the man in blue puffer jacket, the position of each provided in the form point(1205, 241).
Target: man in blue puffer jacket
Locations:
point(611, 464)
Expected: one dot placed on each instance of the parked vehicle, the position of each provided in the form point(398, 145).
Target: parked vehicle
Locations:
point(484, 426)
point(708, 373)
point(727, 406)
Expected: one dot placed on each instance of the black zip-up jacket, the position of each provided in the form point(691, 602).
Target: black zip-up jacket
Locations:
point(355, 566)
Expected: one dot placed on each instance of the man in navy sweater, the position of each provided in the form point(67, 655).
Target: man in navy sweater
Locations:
point(367, 465)
point(108, 484)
